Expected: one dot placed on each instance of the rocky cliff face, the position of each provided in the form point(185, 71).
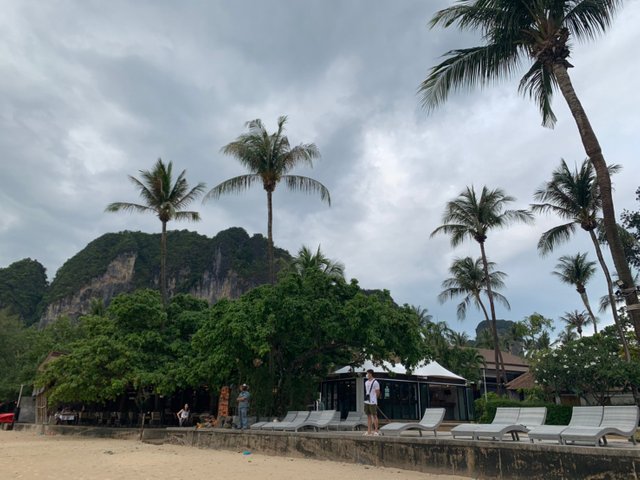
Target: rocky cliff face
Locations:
point(225, 266)
point(117, 279)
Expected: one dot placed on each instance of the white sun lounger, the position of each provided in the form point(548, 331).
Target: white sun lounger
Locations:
point(580, 417)
point(431, 420)
point(528, 417)
point(298, 415)
point(318, 420)
point(293, 424)
point(619, 420)
point(352, 422)
point(504, 416)
point(264, 425)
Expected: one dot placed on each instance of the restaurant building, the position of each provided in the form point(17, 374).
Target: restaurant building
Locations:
point(404, 395)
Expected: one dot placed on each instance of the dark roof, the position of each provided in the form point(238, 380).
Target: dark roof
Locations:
point(512, 363)
point(525, 380)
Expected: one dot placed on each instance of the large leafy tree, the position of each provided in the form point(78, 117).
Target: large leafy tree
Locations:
point(574, 196)
point(166, 199)
point(269, 159)
point(576, 270)
point(472, 216)
point(538, 32)
point(284, 338)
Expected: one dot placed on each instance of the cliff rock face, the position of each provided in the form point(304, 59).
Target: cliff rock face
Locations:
point(225, 266)
point(117, 279)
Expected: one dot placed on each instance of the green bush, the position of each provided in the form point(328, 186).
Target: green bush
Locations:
point(486, 410)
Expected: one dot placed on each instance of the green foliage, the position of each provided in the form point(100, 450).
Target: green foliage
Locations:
point(23, 285)
point(283, 339)
point(135, 346)
point(591, 367)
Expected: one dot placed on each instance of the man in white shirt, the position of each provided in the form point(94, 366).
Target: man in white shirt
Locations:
point(371, 394)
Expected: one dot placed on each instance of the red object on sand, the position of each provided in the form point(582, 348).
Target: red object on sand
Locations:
point(6, 417)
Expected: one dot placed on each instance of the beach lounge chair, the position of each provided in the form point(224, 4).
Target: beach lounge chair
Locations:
point(301, 417)
point(504, 416)
point(619, 420)
point(431, 420)
point(288, 417)
point(352, 422)
point(580, 417)
point(318, 420)
point(528, 417)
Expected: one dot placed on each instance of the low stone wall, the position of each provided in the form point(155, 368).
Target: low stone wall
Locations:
point(481, 460)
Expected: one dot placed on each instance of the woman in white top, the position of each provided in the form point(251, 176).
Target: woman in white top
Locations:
point(183, 415)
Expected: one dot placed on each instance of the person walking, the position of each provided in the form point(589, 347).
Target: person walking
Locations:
point(183, 415)
point(243, 406)
point(371, 394)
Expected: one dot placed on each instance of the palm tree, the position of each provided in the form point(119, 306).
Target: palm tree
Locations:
point(566, 336)
point(458, 339)
point(165, 199)
point(424, 317)
point(538, 31)
point(470, 216)
point(576, 321)
point(574, 196)
point(269, 159)
point(467, 281)
point(307, 261)
point(576, 270)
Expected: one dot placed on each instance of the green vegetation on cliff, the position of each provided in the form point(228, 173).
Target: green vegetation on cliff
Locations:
point(22, 287)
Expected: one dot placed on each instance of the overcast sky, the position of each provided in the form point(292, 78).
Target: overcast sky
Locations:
point(93, 91)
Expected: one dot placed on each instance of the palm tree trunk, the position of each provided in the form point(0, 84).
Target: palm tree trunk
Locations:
point(587, 305)
point(163, 263)
point(500, 373)
point(612, 300)
point(270, 237)
point(594, 152)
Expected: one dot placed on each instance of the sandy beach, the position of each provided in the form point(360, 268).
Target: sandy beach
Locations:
point(27, 455)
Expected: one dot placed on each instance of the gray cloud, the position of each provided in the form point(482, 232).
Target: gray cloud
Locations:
point(90, 93)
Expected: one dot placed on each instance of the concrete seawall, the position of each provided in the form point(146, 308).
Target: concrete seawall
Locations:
point(482, 460)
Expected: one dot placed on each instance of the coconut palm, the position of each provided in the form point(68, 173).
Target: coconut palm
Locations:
point(307, 261)
point(165, 199)
point(574, 196)
point(576, 321)
point(458, 339)
point(424, 317)
point(269, 159)
point(472, 217)
point(467, 281)
point(539, 32)
point(566, 336)
point(576, 270)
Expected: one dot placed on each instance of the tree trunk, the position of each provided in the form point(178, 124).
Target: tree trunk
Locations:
point(163, 263)
point(612, 299)
point(272, 279)
point(594, 152)
point(587, 305)
point(501, 377)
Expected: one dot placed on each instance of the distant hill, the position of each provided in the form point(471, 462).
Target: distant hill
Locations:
point(23, 285)
point(225, 266)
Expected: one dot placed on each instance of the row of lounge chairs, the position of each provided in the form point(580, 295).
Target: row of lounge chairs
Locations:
point(587, 425)
point(322, 419)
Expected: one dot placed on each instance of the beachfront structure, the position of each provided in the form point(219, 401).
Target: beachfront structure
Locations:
point(404, 394)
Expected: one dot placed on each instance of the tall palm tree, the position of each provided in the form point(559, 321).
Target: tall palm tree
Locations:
point(540, 32)
point(470, 216)
point(576, 270)
point(269, 159)
point(165, 199)
point(576, 321)
point(424, 317)
point(574, 196)
point(308, 261)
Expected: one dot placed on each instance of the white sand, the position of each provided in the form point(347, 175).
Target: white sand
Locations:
point(27, 455)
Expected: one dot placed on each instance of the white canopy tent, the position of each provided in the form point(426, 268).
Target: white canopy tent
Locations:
point(426, 370)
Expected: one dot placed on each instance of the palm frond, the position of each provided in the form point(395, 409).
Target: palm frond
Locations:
point(233, 185)
point(538, 83)
point(307, 185)
point(554, 237)
point(589, 18)
point(128, 207)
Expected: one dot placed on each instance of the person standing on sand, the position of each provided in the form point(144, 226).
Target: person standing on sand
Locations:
point(371, 394)
point(183, 415)
point(243, 406)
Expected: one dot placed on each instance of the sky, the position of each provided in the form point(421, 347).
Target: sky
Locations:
point(92, 91)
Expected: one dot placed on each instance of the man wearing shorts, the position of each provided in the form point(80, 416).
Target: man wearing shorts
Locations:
point(371, 394)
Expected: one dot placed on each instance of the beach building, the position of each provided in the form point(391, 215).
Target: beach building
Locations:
point(404, 394)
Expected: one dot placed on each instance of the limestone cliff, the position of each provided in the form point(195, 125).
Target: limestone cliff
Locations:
point(225, 266)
